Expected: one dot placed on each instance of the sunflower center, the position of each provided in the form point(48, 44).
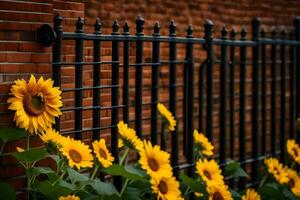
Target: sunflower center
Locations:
point(34, 105)
point(217, 196)
point(207, 174)
point(153, 164)
point(163, 187)
point(102, 153)
point(75, 156)
point(292, 183)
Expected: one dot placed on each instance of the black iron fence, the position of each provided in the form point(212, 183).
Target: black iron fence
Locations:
point(266, 68)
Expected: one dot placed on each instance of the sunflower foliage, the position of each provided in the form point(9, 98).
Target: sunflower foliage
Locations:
point(67, 169)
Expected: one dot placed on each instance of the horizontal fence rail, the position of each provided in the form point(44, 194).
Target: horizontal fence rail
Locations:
point(240, 90)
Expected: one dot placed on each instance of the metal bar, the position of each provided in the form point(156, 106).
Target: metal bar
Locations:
point(96, 82)
point(56, 57)
point(115, 102)
point(173, 97)
point(78, 78)
point(242, 136)
point(263, 95)
point(273, 93)
point(232, 96)
point(292, 88)
point(126, 99)
point(201, 94)
point(139, 76)
point(190, 100)
point(223, 98)
point(297, 38)
point(208, 26)
point(154, 87)
point(282, 97)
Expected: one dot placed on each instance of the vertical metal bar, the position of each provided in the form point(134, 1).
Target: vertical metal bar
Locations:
point(96, 83)
point(139, 76)
point(223, 97)
point(297, 37)
point(78, 78)
point(126, 74)
point(255, 97)
point(190, 100)
point(115, 100)
point(273, 93)
point(263, 95)
point(242, 136)
point(173, 97)
point(56, 53)
point(292, 88)
point(200, 92)
point(282, 97)
point(154, 88)
point(208, 26)
point(231, 88)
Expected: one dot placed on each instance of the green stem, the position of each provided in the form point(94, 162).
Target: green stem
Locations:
point(262, 182)
point(163, 136)
point(28, 142)
point(124, 187)
point(124, 156)
point(2, 148)
point(186, 191)
point(95, 172)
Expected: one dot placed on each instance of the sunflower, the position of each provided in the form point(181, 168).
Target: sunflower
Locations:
point(275, 168)
point(251, 194)
point(203, 144)
point(129, 137)
point(165, 188)
point(120, 143)
point(209, 171)
point(103, 155)
point(167, 116)
point(294, 182)
point(69, 197)
point(294, 150)
point(77, 153)
point(36, 104)
point(155, 161)
point(51, 136)
point(217, 191)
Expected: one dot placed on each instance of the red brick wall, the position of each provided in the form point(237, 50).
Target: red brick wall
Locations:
point(20, 55)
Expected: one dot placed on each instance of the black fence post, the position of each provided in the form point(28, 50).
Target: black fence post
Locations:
point(78, 79)
point(56, 58)
point(96, 83)
point(263, 94)
point(115, 100)
point(139, 77)
point(126, 74)
point(293, 87)
point(223, 97)
point(173, 96)
point(208, 27)
point(190, 101)
point(282, 95)
point(154, 87)
point(297, 37)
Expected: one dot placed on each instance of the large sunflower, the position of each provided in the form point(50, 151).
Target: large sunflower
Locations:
point(251, 194)
point(275, 168)
point(294, 182)
point(51, 136)
point(36, 104)
point(77, 153)
point(294, 150)
point(167, 116)
point(155, 161)
point(129, 137)
point(203, 144)
point(165, 188)
point(217, 191)
point(209, 171)
point(69, 197)
point(103, 155)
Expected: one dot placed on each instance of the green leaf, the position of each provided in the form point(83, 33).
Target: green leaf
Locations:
point(75, 176)
point(142, 185)
point(31, 155)
point(53, 191)
point(131, 194)
point(235, 194)
point(11, 133)
point(7, 191)
point(271, 191)
point(118, 170)
point(103, 188)
point(234, 170)
point(196, 186)
point(36, 171)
